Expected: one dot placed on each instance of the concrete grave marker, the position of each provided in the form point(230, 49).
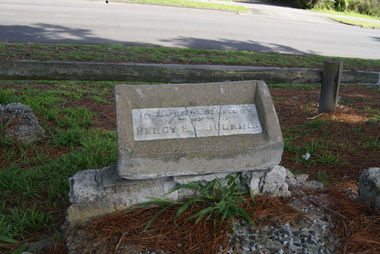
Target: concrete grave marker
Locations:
point(176, 134)
point(195, 129)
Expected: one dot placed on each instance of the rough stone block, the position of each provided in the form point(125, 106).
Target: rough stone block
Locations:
point(369, 186)
point(270, 183)
point(20, 123)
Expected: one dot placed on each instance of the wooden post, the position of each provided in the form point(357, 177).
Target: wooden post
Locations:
point(332, 71)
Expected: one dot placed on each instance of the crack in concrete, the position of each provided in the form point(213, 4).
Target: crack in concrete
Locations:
point(192, 122)
point(220, 113)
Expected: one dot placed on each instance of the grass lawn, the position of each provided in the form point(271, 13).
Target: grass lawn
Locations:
point(129, 54)
point(79, 120)
point(364, 24)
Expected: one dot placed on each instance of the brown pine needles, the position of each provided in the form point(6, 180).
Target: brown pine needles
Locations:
point(120, 231)
point(361, 234)
point(123, 232)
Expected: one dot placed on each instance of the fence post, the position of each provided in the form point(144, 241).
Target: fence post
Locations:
point(332, 71)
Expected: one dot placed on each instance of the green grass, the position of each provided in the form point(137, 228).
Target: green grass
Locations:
point(363, 24)
point(129, 54)
point(347, 13)
point(295, 86)
point(314, 152)
point(5, 97)
point(46, 183)
point(328, 158)
point(196, 4)
point(374, 116)
point(33, 183)
point(67, 138)
point(373, 145)
point(308, 127)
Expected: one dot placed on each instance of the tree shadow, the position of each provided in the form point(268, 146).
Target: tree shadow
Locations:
point(47, 33)
point(260, 2)
point(225, 44)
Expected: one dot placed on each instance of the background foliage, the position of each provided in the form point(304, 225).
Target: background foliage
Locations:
point(369, 7)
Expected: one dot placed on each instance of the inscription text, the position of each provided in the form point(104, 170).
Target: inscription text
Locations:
point(193, 122)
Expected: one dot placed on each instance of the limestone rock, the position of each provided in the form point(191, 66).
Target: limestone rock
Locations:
point(300, 181)
point(369, 186)
point(20, 124)
point(270, 183)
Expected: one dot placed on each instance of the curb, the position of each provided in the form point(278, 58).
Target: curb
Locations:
point(188, 7)
point(171, 73)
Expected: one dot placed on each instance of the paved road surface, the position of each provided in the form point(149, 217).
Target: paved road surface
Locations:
point(266, 29)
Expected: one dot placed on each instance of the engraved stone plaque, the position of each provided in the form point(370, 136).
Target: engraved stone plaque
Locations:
point(195, 122)
point(195, 129)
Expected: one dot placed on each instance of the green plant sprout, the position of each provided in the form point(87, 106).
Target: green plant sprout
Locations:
point(323, 176)
point(5, 97)
point(329, 158)
point(373, 145)
point(374, 119)
point(221, 201)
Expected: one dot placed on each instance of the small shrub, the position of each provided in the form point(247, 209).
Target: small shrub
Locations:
point(369, 7)
point(323, 4)
point(307, 4)
point(222, 202)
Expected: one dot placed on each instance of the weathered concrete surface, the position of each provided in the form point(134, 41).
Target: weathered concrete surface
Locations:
point(171, 73)
point(96, 192)
point(202, 155)
point(360, 77)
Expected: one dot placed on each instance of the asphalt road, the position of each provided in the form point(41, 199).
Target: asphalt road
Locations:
point(266, 29)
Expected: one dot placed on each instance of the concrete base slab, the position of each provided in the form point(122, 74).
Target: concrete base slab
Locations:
point(96, 192)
